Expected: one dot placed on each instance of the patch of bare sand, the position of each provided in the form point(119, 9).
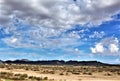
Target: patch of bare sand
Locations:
point(64, 77)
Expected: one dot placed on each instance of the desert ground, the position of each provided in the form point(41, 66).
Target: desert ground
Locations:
point(11, 72)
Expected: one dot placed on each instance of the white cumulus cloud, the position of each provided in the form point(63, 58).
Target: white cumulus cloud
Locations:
point(107, 46)
point(113, 48)
point(98, 48)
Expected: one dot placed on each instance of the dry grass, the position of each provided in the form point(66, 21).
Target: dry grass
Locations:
point(63, 73)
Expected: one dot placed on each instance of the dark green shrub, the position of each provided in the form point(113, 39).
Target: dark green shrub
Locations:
point(45, 78)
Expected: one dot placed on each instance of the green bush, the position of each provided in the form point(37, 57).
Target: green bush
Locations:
point(45, 78)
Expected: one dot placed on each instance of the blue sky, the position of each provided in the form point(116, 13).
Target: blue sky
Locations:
point(60, 30)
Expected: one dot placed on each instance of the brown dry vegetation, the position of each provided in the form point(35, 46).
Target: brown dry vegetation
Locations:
point(22, 72)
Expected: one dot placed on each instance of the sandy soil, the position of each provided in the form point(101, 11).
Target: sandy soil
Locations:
point(66, 77)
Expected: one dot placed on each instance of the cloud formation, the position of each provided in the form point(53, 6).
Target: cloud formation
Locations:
point(43, 23)
point(59, 13)
point(107, 46)
point(113, 48)
point(98, 48)
point(97, 34)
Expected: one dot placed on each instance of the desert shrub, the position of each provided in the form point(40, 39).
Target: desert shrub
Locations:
point(87, 73)
point(31, 77)
point(2, 66)
point(61, 74)
point(67, 73)
point(45, 78)
point(51, 79)
point(17, 74)
point(3, 73)
point(26, 68)
point(108, 74)
point(23, 76)
point(76, 73)
point(6, 75)
point(52, 72)
point(15, 78)
point(79, 79)
point(118, 73)
point(38, 78)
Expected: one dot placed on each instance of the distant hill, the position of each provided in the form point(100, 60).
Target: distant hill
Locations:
point(59, 62)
